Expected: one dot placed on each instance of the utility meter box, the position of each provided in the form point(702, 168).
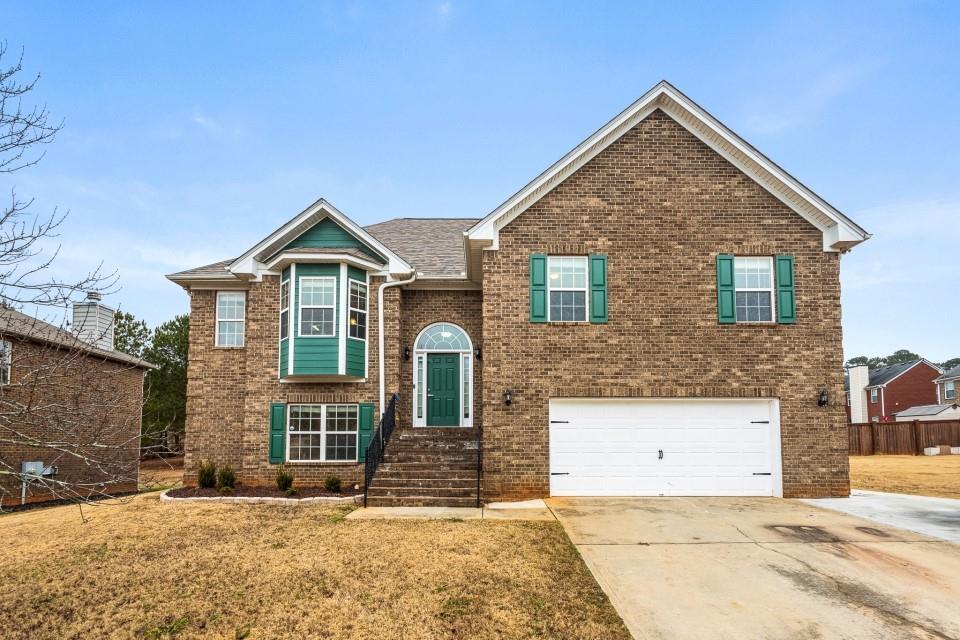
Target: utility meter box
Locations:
point(32, 468)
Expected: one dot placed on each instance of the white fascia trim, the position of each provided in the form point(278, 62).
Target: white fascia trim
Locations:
point(247, 264)
point(281, 260)
point(342, 346)
point(843, 232)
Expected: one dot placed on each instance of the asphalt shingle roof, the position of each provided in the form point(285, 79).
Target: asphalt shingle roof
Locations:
point(217, 269)
point(886, 374)
point(952, 373)
point(433, 246)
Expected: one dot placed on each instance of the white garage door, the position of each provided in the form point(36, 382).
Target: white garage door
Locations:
point(660, 447)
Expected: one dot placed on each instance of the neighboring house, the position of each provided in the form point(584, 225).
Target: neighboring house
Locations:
point(947, 386)
point(875, 395)
point(930, 412)
point(70, 408)
point(658, 313)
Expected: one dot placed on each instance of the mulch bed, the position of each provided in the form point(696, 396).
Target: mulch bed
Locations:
point(261, 492)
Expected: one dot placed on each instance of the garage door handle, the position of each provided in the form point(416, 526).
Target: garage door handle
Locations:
point(565, 473)
point(559, 422)
point(660, 454)
point(759, 422)
point(762, 474)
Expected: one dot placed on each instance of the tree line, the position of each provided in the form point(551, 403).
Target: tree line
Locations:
point(898, 357)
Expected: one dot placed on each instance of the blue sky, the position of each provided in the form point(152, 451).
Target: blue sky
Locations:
point(194, 129)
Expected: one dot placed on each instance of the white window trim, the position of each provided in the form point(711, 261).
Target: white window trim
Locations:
point(302, 306)
point(585, 289)
point(420, 390)
point(285, 308)
point(242, 321)
point(322, 432)
point(365, 310)
point(951, 392)
point(772, 291)
point(6, 361)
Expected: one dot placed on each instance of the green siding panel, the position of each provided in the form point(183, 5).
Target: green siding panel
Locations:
point(538, 287)
point(327, 234)
point(278, 432)
point(598, 289)
point(356, 358)
point(284, 357)
point(365, 430)
point(786, 296)
point(726, 294)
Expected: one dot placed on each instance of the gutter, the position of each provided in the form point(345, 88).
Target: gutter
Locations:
point(380, 340)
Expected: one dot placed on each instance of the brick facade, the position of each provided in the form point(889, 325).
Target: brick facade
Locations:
point(66, 397)
point(910, 389)
point(661, 205)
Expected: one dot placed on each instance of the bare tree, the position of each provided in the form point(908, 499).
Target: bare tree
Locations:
point(65, 403)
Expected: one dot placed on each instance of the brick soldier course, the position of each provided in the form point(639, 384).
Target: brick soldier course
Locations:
point(654, 198)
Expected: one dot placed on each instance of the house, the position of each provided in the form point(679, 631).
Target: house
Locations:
point(875, 395)
point(70, 407)
point(946, 385)
point(929, 412)
point(657, 313)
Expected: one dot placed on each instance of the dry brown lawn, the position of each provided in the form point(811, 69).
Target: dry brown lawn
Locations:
point(146, 569)
point(920, 475)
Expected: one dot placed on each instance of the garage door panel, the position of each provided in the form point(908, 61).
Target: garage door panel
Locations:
point(710, 447)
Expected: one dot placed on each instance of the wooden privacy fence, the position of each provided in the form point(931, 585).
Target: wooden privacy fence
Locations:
point(902, 438)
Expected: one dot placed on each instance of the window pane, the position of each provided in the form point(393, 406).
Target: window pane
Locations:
point(444, 337)
point(466, 387)
point(567, 273)
point(230, 334)
point(305, 417)
point(568, 306)
point(420, 386)
point(230, 306)
point(341, 417)
point(754, 306)
point(752, 273)
point(316, 322)
point(358, 295)
point(284, 324)
point(317, 291)
point(341, 446)
point(358, 324)
point(284, 295)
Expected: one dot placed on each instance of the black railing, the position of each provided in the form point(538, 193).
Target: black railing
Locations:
point(479, 462)
point(378, 444)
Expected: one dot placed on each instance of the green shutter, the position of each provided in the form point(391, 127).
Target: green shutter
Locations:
point(278, 432)
point(598, 289)
point(538, 287)
point(786, 298)
point(726, 295)
point(365, 431)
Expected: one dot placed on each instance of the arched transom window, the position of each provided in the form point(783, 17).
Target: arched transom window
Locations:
point(443, 337)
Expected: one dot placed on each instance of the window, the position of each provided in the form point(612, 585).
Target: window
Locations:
point(231, 308)
point(322, 432)
point(567, 286)
point(284, 309)
point(874, 394)
point(6, 351)
point(358, 310)
point(753, 283)
point(949, 390)
point(316, 307)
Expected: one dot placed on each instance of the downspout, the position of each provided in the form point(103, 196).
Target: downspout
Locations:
point(380, 340)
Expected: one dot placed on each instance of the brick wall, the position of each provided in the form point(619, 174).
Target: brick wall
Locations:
point(74, 400)
point(915, 387)
point(661, 205)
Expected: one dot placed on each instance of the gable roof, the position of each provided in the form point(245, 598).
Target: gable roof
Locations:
point(885, 375)
point(839, 232)
point(925, 410)
point(15, 323)
point(950, 375)
point(251, 262)
point(434, 246)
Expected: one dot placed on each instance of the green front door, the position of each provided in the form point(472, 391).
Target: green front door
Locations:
point(443, 389)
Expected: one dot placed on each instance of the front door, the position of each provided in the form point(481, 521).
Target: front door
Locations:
point(443, 389)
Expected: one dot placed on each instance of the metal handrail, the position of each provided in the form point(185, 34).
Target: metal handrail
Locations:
point(378, 445)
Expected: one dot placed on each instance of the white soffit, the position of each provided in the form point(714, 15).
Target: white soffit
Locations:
point(251, 262)
point(839, 232)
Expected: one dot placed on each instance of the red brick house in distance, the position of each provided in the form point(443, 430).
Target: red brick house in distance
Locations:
point(875, 395)
point(657, 313)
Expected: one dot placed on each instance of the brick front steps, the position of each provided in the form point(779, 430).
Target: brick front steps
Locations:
point(427, 467)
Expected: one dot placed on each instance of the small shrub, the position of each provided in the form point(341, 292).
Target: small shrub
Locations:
point(226, 478)
point(284, 479)
point(206, 474)
point(226, 491)
point(332, 484)
point(290, 492)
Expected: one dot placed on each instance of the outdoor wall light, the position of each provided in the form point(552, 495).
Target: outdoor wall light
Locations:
point(406, 353)
point(478, 354)
point(508, 397)
point(824, 398)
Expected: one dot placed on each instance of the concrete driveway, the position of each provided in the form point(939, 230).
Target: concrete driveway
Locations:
point(936, 517)
point(762, 568)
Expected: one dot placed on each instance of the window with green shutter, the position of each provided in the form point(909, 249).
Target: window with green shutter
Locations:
point(598, 289)
point(755, 289)
point(278, 432)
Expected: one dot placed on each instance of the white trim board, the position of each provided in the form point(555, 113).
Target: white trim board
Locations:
point(839, 232)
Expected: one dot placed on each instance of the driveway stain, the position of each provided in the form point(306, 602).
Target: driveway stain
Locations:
point(873, 532)
point(803, 533)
